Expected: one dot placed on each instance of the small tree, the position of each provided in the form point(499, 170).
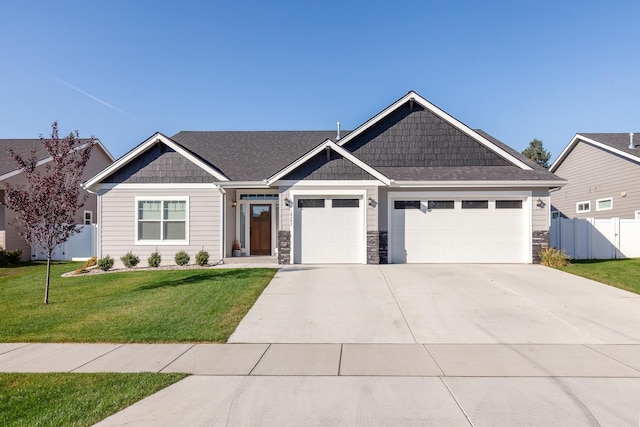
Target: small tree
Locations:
point(536, 152)
point(47, 204)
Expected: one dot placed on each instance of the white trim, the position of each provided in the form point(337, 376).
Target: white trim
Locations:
point(583, 210)
point(443, 115)
point(122, 161)
point(525, 196)
point(329, 183)
point(338, 149)
point(577, 138)
point(295, 194)
point(602, 200)
point(84, 217)
point(479, 184)
point(247, 223)
point(243, 184)
point(162, 199)
point(637, 215)
point(151, 186)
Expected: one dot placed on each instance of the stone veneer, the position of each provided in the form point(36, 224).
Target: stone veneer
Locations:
point(539, 241)
point(373, 247)
point(284, 247)
point(383, 247)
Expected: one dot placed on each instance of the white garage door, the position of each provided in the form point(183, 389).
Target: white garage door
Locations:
point(329, 230)
point(466, 230)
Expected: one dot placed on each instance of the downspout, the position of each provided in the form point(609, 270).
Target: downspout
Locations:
point(223, 216)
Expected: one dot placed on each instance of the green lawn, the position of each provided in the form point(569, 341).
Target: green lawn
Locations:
point(196, 305)
point(72, 399)
point(621, 273)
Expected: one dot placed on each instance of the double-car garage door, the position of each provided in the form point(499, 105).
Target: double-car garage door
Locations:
point(458, 229)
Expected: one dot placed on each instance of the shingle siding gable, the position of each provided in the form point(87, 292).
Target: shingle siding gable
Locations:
point(416, 137)
point(338, 168)
point(159, 164)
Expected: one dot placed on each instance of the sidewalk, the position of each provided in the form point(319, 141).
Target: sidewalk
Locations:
point(361, 384)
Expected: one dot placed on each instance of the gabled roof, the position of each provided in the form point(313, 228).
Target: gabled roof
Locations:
point(614, 143)
point(23, 147)
point(328, 144)
point(150, 142)
point(413, 97)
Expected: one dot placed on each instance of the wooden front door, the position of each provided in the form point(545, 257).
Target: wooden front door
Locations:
point(260, 229)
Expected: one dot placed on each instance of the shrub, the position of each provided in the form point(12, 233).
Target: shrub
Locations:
point(182, 258)
point(8, 258)
point(552, 257)
point(130, 260)
point(202, 257)
point(88, 263)
point(154, 259)
point(105, 263)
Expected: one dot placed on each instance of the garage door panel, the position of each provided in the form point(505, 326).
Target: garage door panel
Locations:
point(329, 234)
point(459, 235)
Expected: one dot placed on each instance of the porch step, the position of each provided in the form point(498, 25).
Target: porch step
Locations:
point(252, 260)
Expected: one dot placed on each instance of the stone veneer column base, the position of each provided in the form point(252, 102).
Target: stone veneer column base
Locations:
point(383, 248)
point(284, 247)
point(539, 241)
point(373, 247)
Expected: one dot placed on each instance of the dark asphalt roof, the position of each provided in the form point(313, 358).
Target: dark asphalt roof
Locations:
point(22, 147)
point(251, 155)
point(467, 173)
point(619, 141)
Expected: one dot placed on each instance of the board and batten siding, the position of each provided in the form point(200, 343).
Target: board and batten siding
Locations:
point(118, 223)
point(592, 174)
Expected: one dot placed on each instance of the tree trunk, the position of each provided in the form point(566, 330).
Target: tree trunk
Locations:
point(46, 288)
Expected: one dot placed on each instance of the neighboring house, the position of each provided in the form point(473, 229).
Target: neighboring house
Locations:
point(603, 174)
point(9, 237)
point(412, 184)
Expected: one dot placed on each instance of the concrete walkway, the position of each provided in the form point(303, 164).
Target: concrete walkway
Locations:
point(362, 384)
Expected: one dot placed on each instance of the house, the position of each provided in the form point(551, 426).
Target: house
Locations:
point(603, 173)
point(9, 237)
point(410, 185)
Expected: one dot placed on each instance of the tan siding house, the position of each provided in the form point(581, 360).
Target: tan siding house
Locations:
point(9, 234)
point(603, 175)
point(412, 184)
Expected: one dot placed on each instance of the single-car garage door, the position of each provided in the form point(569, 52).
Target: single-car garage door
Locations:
point(465, 230)
point(329, 230)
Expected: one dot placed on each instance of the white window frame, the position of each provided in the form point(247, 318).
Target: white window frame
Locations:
point(602, 200)
point(84, 218)
point(162, 199)
point(578, 210)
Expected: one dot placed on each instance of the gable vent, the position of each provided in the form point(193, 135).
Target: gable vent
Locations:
point(631, 145)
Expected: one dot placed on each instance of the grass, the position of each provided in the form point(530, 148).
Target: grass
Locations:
point(73, 399)
point(621, 273)
point(199, 305)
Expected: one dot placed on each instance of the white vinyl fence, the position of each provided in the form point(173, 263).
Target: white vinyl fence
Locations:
point(596, 238)
point(80, 247)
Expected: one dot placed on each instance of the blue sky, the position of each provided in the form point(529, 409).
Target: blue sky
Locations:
point(121, 70)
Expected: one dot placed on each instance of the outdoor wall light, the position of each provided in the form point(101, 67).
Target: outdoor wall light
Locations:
point(234, 204)
point(372, 202)
point(287, 202)
point(540, 203)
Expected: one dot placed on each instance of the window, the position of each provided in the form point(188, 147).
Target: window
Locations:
point(555, 214)
point(406, 204)
point(311, 203)
point(258, 197)
point(604, 204)
point(88, 217)
point(583, 207)
point(162, 220)
point(475, 204)
point(440, 204)
point(508, 204)
point(345, 203)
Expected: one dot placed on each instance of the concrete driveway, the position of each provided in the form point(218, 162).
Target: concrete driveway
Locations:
point(437, 304)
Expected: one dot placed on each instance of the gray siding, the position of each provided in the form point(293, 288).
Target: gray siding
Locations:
point(118, 217)
point(593, 174)
point(419, 138)
point(159, 164)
